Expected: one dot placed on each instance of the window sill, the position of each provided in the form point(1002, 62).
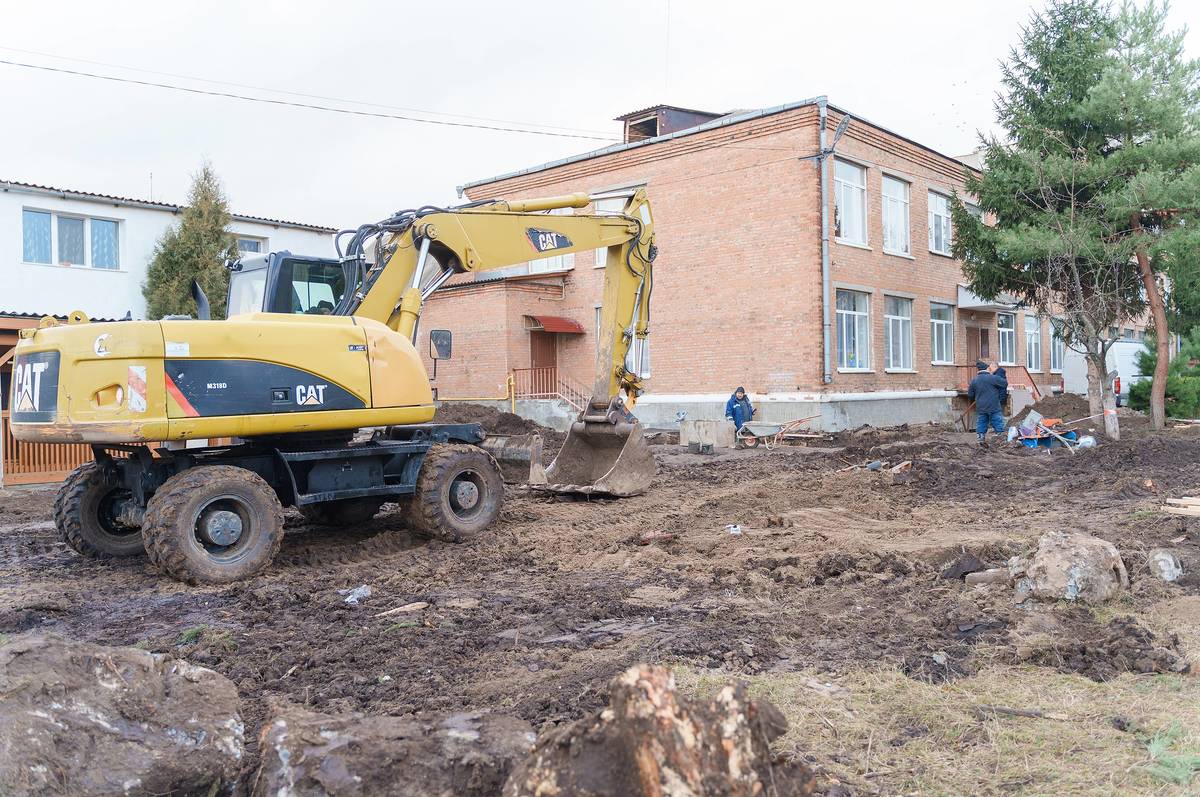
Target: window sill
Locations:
point(76, 267)
point(856, 370)
point(1033, 370)
point(941, 363)
point(1056, 373)
point(844, 242)
point(941, 254)
point(904, 255)
point(899, 370)
point(1006, 365)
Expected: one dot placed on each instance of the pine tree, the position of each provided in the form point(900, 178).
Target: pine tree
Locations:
point(1048, 240)
point(1147, 103)
point(198, 248)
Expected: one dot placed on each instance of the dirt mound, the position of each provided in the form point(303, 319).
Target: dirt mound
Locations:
point(496, 421)
point(1066, 406)
point(85, 719)
point(1073, 642)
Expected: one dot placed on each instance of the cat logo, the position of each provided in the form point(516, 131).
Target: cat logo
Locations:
point(546, 240)
point(310, 395)
point(27, 386)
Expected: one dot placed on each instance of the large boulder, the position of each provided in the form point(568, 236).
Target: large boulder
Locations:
point(653, 742)
point(320, 755)
point(84, 719)
point(1071, 566)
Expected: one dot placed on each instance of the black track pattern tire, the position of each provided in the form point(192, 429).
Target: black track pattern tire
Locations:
point(432, 513)
point(346, 512)
point(77, 508)
point(168, 530)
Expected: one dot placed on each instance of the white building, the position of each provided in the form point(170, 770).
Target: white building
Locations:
point(64, 250)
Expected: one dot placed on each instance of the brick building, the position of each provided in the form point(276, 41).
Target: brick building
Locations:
point(873, 326)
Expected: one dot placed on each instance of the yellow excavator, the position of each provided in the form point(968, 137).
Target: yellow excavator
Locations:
point(313, 352)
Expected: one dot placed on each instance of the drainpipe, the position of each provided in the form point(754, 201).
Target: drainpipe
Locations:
point(826, 324)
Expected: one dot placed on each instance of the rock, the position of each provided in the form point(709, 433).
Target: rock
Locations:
point(1072, 566)
point(996, 575)
point(1165, 564)
point(965, 563)
point(84, 720)
point(653, 741)
point(305, 754)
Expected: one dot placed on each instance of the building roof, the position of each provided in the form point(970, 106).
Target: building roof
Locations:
point(632, 114)
point(67, 193)
point(27, 316)
point(723, 121)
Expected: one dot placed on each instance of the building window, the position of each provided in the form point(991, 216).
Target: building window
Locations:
point(35, 236)
point(637, 359)
point(1007, 322)
point(607, 206)
point(554, 262)
point(940, 230)
point(71, 242)
point(895, 216)
point(850, 196)
point(1058, 350)
point(105, 246)
point(854, 331)
point(1033, 343)
point(941, 333)
point(897, 334)
point(49, 238)
point(251, 246)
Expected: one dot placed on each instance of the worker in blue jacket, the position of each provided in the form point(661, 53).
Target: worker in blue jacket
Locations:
point(738, 409)
point(987, 390)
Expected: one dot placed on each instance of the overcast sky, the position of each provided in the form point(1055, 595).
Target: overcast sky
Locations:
point(927, 70)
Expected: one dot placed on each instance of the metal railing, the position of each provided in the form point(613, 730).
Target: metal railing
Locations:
point(548, 383)
point(1018, 376)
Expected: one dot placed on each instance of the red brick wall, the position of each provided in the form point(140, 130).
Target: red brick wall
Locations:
point(737, 295)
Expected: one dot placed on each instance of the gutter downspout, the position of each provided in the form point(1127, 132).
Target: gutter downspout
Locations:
point(826, 323)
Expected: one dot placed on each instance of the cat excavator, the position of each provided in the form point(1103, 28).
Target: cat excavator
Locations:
point(315, 352)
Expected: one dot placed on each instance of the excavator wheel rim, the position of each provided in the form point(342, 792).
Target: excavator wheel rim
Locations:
point(432, 511)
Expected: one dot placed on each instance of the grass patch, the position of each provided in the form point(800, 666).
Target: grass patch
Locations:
point(1143, 515)
point(214, 639)
point(398, 626)
point(190, 635)
point(881, 732)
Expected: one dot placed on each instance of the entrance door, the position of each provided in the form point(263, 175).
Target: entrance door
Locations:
point(543, 359)
point(978, 345)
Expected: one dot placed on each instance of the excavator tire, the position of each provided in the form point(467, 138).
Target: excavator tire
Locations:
point(213, 524)
point(347, 512)
point(83, 514)
point(459, 493)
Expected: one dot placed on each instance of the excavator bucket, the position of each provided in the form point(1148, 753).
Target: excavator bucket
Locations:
point(601, 459)
point(518, 455)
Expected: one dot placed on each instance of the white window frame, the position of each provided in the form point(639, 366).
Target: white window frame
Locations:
point(637, 359)
point(554, 263)
point(944, 329)
point(1058, 350)
point(937, 219)
point(895, 217)
point(897, 329)
point(263, 246)
point(1033, 344)
point(607, 206)
point(844, 187)
point(1010, 333)
point(862, 336)
point(55, 254)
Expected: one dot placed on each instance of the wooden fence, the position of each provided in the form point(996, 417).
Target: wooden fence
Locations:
point(37, 463)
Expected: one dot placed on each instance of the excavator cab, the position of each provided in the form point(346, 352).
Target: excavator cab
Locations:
point(285, 283)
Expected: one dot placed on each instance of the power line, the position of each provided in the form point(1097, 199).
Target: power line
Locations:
point(310, 106)
point(298, 93)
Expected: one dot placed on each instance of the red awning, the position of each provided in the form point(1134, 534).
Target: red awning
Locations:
point(553, 323)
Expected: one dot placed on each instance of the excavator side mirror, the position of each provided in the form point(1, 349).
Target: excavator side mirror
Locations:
point(440, 344)
point(202, 309)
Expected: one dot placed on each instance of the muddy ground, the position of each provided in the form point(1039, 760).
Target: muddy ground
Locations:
point(536, 616)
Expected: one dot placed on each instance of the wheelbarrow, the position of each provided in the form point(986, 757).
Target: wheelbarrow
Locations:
point(769, 435)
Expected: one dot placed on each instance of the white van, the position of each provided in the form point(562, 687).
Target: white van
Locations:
point(1122, 358)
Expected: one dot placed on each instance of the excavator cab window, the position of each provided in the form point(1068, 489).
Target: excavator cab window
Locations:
point(307, 286)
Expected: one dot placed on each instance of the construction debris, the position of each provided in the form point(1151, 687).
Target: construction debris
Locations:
point(653, 742)
point(1165, 564)
point(84, 719)
point(995, 575)
point(306, 754)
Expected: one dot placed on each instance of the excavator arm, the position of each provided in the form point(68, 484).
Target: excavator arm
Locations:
point(416, 252)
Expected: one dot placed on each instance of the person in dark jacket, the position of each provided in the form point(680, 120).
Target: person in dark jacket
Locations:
point(986, 391)
point(738, 409)
point(1003, 396)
